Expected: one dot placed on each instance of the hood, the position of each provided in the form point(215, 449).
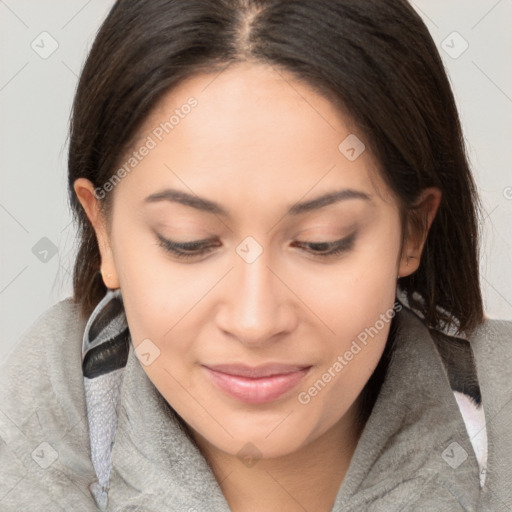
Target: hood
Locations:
point(414, 447)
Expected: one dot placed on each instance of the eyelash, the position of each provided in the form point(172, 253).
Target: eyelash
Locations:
point(186, 250)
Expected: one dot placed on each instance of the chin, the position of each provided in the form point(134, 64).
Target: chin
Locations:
point(272, 439)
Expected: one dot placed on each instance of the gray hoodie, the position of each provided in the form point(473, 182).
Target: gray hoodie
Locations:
point(68, 440)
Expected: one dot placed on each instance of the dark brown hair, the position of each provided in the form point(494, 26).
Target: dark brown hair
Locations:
point(373, 58)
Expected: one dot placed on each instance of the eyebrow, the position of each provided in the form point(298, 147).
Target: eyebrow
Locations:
point(206, 205)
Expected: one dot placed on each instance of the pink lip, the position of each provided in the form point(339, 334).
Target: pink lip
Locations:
point(256, 385)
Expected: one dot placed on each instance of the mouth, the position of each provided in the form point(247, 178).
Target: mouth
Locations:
point(256, 385)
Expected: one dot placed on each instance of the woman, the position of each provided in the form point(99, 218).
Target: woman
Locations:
point(276, 292)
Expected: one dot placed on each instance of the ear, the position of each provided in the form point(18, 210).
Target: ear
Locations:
point(84, 190)
point(416, 230)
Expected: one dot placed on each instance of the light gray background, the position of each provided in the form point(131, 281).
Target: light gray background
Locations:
point(35, 101)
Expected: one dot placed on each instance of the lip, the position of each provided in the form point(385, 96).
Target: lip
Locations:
point(256, 385)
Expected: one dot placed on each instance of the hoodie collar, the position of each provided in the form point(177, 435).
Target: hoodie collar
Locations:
point(414, 445)
point(415, 440)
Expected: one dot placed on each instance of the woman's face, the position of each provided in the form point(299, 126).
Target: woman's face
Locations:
point(241, 167)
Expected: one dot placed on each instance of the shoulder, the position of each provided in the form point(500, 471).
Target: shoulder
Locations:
point(484, 354)
point(479, 368)
point(46, 353)
point(491, 343)
point(493, 337)
point(56, 323)
point(43, 422)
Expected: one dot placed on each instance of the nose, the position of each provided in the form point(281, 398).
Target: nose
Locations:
point(260, 304)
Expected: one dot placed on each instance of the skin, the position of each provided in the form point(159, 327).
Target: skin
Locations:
point(258, 142)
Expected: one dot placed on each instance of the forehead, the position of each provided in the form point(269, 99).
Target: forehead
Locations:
point(252, 127)
point(255, 100)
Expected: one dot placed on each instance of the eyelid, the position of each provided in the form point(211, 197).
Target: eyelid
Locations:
point(196, 248)
point(333, 248)
point(186, 246)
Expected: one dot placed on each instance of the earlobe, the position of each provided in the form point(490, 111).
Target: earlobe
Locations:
point(84, 191)
point(424, 212)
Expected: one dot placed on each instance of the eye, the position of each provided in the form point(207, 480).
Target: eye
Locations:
point(198, 248)
point(326, 249)
point(187, 249)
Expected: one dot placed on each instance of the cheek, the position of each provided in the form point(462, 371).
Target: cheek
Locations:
point(350, 356)
point(373, 284)
point(356, 303)
point(149, 293)
point(351, 294)
point(163, 302)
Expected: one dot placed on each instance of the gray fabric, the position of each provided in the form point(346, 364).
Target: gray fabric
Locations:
point(492, 345)
point(103, 394)
point(398, 464)
point(42, 401)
